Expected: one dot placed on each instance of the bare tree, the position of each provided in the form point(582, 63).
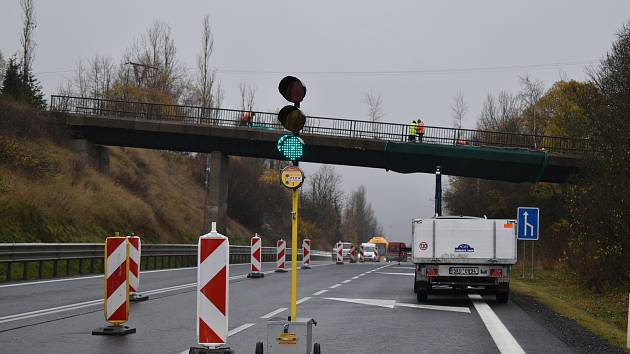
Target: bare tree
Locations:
point(94, 78)
point(500, 113)
point(26, 37)
point(374, 102)
point(531, 92)
point(459, 109)
point(248, 95)
point(206, 76)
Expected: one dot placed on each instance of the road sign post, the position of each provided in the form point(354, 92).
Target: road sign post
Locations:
point(528, 222)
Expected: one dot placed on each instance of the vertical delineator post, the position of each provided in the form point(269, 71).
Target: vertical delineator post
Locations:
point(213, 289)
point(306, 253)
point(255, 258)
point(135, 256)
point(281, 246)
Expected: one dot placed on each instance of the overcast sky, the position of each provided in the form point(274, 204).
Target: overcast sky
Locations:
point(433, 39)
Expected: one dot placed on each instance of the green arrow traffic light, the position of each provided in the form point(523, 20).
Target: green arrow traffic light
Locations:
point(291, 147)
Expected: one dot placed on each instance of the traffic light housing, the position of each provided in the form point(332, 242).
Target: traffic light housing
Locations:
point(292, 118)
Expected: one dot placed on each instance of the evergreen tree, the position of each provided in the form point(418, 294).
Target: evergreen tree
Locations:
point(22, 87)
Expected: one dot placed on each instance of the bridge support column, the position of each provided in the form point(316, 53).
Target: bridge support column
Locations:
point(215, 208)
point(97, 155)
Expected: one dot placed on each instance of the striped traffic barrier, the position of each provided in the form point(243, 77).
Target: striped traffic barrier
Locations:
point(306, 253)
point(116, 299)
point(256, 265)
point(361, 254)
point(353, 254)
point(339, 252)
point(281, 246)
point(213, 290)
point(135, 255)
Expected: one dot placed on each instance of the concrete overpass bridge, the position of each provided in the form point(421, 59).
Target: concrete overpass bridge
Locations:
point(489, 155)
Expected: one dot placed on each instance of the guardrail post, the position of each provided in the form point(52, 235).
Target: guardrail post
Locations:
point(92, 265)
point(24, 270)
point(40, 264)
point(8, 271)
point(55, 268)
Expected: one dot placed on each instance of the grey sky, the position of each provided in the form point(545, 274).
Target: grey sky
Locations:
point(299, 36)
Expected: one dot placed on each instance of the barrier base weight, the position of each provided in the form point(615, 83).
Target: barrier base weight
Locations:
point(339, 262)
point(281, 270)
point(198, 349)
point(113, 331)
point(256, 275)
point(306, 267)
point(138, 297)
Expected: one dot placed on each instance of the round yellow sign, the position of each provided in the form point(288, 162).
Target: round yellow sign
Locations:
point(292, 177)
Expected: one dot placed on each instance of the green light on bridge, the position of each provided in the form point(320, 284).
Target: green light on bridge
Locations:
point(291, 147)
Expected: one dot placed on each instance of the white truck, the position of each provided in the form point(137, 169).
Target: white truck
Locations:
point(367, 252)
point(463, 254)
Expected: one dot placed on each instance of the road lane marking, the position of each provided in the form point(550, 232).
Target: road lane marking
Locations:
point(436, 307)
point(355, 277)
point(503, 339)
point(273, 313)
point(304, 299)
point(346, 281)
point(239, 329)
point(79, 305)
point(334, 286)
point(230, 333)
point(320, 292)
point(374, 302)
point(412, 274)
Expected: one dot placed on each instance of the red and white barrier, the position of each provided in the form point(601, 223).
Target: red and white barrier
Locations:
point(255, 263)
point(353, 254)
point(339, 253)
point(361, 254)
point(306, 254)
point(135, 253)
point(213, 289)
point(116, 299)
point(281, 246)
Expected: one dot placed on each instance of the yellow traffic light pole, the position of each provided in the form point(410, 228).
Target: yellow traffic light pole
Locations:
point(294, 242)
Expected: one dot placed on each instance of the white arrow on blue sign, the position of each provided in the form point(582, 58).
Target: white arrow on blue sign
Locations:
point(527, 221)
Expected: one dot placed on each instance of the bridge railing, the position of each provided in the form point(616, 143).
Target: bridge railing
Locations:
point(314, 125)
point(42, 260)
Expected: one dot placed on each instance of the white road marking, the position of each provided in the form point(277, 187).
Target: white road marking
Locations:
point(412, 274)
point(436, 307)
point(320, 292)
point(273, 313)
point(374, 302)
point(239, 329)
point(334, 286)
point(230, 333)
point(346, 281)
point(79, 305)
point(355, 277)
point(503, 339)
point(304, 299)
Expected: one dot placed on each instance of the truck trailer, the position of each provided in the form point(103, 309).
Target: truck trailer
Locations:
point(463, 254)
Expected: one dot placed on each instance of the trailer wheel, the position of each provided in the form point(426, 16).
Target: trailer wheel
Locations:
point(259, 348)
point(317, 349)
point(503, 295)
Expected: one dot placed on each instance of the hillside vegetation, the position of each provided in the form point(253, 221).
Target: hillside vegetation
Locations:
point(50, 193)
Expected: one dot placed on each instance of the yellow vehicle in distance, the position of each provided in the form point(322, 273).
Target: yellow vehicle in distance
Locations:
point(381, 246)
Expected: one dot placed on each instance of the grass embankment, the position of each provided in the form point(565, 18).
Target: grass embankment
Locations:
point(604, 314)
point(51, 193)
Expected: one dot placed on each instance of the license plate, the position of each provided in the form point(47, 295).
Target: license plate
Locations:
point(463, 270)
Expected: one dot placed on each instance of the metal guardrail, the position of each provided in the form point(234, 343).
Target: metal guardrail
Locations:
point(314, 125)
point(64, 259)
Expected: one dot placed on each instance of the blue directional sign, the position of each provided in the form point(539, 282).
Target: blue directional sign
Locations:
point(527, 223)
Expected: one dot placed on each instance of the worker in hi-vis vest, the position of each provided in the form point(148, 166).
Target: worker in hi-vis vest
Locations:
point(420, 129)
point(411, 131)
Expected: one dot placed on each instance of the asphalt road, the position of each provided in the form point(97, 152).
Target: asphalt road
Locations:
point(360, 308)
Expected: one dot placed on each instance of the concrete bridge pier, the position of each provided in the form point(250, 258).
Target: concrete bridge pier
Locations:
point(215, 201)
point(97, 155)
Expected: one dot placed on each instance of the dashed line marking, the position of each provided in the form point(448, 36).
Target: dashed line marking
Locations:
point(239, 329)
point(412, 274)
point(502, 337)
point(320, 292)
point(346, 281)
point(334, 286)
point(355, 277)
point(273, 313)
point(304, 299)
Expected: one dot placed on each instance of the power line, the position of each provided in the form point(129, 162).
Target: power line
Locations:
point(480, 69)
